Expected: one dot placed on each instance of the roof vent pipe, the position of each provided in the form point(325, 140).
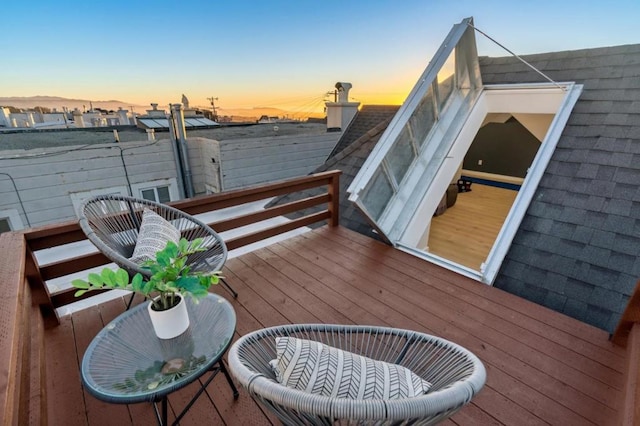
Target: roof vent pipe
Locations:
point(177, 117)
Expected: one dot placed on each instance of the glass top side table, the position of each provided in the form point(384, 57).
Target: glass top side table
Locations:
point(126, 363)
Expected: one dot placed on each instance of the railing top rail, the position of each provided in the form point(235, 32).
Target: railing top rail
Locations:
point(54, 235)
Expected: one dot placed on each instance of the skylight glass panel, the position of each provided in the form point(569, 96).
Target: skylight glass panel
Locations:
point(379, 194)
point(401, 155)
point(445, 81)
point(423, 117)
point(399, 170)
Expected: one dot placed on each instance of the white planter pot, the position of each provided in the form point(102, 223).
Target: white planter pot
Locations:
point(170, 323)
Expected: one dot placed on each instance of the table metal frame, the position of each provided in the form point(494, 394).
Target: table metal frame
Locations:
point(126, 344)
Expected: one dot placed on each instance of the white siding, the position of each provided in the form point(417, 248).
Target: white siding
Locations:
point(45, 182)
point(246, 162)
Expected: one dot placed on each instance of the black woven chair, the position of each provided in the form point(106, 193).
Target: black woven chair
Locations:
point(112, 223)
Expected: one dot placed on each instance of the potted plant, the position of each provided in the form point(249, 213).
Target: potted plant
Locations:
point(170, 282)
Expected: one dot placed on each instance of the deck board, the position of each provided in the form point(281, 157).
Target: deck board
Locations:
point(543, 367)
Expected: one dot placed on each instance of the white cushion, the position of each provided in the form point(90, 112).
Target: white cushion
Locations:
point(155, 232)
point(324, 370)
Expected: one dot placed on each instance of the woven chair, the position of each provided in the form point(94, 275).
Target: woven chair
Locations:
point(112, 222)
point(455, 373)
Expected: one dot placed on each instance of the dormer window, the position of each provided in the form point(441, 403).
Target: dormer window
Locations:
point(421, 154)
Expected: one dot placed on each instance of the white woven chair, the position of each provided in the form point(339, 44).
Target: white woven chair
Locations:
point(455, 373)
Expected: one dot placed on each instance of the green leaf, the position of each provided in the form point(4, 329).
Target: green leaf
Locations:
point(171, 250)
point(95, 279)
point(136, 282)
point(197, 245)
point(163, 258)
point(108, 277)
point(147, 288)
point(190, 283)
point(199, 293)
point(183, 245)
point(80, 284)
point(80, 293)
point(122, 278)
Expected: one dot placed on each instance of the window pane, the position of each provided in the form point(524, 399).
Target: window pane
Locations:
point(423, 118)
point(4, 226)
point(462, 72)
point(163, 194)
point(401, 155)
point(378, 193)
point(148, 194)
point(446, 80)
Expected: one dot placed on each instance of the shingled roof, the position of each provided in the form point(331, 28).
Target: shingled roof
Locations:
point(367, 118)
point(370, 122)
point(577, 249)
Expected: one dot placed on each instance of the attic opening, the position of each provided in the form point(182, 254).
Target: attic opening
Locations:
point(438, 137)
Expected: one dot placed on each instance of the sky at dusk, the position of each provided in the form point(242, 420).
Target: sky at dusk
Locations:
point(285, 54)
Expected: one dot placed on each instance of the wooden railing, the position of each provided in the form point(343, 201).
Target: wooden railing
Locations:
point(22, 375)
point(628, 334)
point(27, 307)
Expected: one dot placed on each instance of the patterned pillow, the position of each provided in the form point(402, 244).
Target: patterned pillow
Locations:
point(324, 370)
point(155, 232)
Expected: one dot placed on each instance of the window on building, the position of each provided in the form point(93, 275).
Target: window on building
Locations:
point(4, 225)
point(10, 220)
point(158, 194)
point(78, 197)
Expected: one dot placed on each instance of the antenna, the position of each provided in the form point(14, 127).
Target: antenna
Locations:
point(213, 108)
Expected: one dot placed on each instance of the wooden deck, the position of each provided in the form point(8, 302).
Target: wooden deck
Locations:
point(466, 232)
point(542, 367)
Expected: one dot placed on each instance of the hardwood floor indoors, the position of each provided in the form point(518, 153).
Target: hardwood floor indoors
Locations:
point(466, 232)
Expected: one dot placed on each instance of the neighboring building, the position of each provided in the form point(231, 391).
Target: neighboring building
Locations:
point(46, 185)
point(237, 163)
point(64, 120)
point(569, 235)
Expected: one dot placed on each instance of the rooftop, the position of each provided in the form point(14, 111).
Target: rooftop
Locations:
point(542, 366)
point(10, 140)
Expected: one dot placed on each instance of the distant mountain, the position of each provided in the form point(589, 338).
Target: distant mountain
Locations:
point(253, 114)
point(59, 102)
point(238, 114)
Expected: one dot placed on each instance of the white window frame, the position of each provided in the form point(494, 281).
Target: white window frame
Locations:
point(174, 193)
point(13, 217)
point(78, 197)
point(507, 98)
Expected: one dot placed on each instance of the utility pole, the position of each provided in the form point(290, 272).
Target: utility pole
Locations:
point(213, 108)
point(334, 93)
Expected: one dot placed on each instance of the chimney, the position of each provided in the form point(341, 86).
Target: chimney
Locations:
point(78, 118)
point(154, 112)
point(341, 112)
point(5, 117)
point(122, 116)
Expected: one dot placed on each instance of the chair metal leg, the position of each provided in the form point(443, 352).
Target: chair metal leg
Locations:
point(229, 288)
point(133, 294)
point(226, 374)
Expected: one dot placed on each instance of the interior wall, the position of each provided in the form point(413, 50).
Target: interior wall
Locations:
point(537, 124)
point(502, 148)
